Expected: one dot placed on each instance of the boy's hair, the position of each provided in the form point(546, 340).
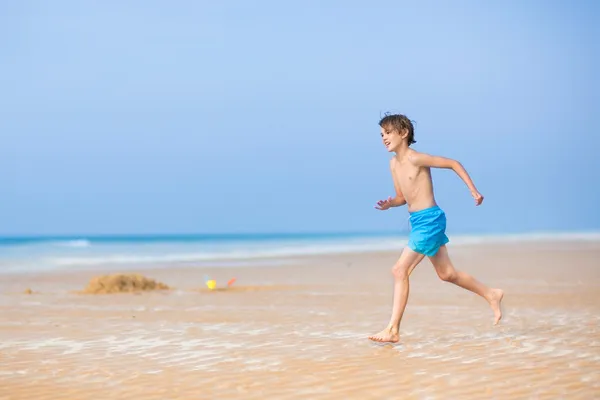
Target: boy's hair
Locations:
point(399, 122)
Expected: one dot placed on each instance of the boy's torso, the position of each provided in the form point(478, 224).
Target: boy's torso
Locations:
point(415, 184)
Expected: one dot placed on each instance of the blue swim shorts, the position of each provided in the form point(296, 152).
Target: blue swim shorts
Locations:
point(428, 231)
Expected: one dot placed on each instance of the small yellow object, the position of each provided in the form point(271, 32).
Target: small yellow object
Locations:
point(211, 284)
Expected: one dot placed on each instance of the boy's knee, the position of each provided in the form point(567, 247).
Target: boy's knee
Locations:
point(448, 275)
point(400, 272)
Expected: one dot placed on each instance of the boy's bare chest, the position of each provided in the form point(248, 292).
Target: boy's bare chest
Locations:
point(406, 175)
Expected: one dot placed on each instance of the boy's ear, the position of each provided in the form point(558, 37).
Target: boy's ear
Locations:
point(404, 133)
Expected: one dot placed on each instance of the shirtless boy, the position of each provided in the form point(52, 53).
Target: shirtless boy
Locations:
point(412, 181)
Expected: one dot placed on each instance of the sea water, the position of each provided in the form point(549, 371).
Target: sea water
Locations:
point(47, 253)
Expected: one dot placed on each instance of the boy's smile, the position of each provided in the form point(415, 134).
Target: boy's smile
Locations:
point(391, 139)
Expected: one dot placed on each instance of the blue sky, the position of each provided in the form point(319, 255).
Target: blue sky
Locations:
point(193, 116)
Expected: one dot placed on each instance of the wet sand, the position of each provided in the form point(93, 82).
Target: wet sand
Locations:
point(299, 331)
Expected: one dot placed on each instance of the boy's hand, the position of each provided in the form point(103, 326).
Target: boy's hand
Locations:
point(478, 197)
point(384, 204)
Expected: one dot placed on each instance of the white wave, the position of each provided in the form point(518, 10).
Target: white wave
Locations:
point(278, 250)
point(241, 253)
point(525, 237)
point(79, 243)
point(232, 254)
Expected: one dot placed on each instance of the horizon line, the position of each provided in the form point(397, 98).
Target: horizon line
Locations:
point(277, 234)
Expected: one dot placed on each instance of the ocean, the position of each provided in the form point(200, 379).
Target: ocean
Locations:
point(50, 253)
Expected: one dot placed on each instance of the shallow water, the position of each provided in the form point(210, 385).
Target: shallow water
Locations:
point(305, 337)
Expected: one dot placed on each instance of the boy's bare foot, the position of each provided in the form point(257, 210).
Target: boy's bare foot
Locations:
point(386, 336)
point(495, 299)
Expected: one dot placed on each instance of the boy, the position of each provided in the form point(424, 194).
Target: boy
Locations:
point(412, 181)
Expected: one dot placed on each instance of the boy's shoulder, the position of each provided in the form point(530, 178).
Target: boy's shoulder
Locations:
point(415, 157)
point(411, 155)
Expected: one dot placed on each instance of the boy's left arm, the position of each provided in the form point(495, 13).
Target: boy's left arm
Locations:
point(427, 160)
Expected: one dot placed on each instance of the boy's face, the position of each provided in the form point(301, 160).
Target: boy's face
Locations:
point(391, 138)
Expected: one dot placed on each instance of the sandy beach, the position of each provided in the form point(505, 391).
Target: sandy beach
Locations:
point(299, 331)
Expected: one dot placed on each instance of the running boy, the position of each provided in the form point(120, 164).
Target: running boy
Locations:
point(412, 181)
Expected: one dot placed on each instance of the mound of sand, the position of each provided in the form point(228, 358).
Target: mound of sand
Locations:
point(122, 283)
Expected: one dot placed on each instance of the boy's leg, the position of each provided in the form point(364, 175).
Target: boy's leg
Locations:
point(404, 266)
point(445, 270)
